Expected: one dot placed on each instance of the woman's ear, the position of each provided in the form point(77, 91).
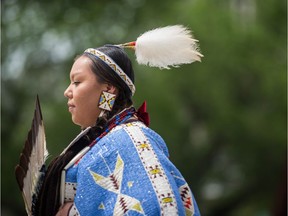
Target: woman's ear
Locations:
point(112, 89)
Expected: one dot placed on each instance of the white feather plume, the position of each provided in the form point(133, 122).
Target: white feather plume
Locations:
point(167, 46)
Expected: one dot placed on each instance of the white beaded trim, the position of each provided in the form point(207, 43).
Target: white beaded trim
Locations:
point(73, 211)
point(70, 191)
point(154, 170)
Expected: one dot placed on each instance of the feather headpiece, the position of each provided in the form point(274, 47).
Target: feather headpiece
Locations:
point(30, 170)
point(165, 47)
point(160, 47)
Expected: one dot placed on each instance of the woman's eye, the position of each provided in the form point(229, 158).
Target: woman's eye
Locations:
point(75, 83)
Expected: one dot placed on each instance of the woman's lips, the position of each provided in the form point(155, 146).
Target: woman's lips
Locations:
point(70, 107)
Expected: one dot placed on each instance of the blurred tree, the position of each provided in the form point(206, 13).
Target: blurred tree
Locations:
point(224, 120)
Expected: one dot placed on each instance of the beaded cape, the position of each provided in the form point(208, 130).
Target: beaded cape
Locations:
point(128, 172)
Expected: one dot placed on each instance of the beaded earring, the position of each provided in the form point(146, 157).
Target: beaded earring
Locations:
point(106, 101)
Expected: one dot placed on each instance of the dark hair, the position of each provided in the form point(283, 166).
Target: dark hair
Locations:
point(105, 74)
point(48, 201)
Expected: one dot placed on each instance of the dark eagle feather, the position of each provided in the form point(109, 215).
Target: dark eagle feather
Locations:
point(31, 168)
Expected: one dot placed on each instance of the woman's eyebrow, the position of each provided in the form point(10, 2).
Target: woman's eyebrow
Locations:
point(74, 74)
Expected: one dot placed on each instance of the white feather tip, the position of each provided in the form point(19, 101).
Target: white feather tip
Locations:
point(167, 46)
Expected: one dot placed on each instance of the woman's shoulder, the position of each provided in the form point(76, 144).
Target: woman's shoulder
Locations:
point(133, 129)
point(137, 132)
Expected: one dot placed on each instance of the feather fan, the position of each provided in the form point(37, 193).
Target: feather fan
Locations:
point(166, 46)
point(30, 170)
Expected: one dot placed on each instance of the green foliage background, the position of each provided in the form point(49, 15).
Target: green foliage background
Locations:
point(224, 120)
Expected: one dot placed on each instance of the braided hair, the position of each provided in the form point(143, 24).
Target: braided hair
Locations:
point(48, 200)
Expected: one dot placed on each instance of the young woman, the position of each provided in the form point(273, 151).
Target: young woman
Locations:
point(117, 165)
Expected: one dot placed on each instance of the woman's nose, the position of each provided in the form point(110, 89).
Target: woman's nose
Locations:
point(68, 92)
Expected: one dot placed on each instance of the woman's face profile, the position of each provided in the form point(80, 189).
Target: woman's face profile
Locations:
point(83, 93)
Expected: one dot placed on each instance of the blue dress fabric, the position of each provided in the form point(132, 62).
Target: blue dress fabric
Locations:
point(128, 172)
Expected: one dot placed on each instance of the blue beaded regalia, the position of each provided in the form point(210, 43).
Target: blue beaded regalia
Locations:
point(128, 172)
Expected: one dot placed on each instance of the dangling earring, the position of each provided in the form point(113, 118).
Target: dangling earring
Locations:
point(106, 101)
